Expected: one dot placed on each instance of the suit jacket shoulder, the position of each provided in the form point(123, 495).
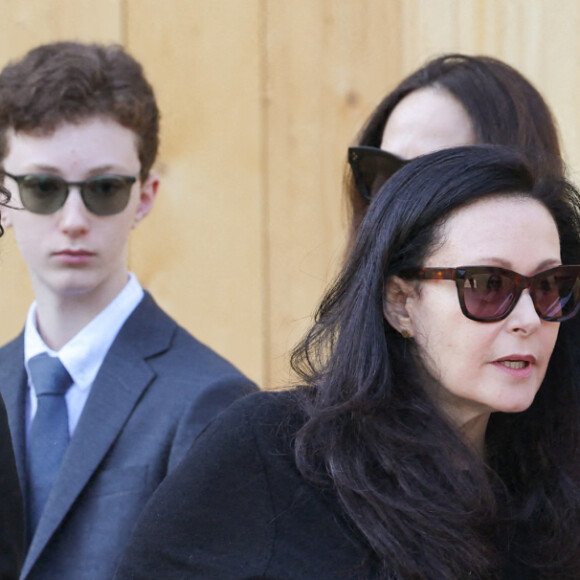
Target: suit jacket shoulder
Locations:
point(189, 376)
point(156, 390)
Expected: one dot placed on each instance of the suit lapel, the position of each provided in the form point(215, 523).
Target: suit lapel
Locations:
point(119, 385)
point(113, 396)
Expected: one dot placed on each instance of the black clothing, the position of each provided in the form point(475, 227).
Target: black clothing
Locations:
point(237, 508)
point(11, 506)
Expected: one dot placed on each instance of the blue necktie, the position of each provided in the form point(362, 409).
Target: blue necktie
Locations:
point(48, 438)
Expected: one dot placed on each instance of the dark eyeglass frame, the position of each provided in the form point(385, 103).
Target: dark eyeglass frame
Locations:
point(372, 168)
point(520, 283)
point(63, 189)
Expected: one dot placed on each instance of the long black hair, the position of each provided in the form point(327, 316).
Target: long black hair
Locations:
point(504, 107)
point(427, 504)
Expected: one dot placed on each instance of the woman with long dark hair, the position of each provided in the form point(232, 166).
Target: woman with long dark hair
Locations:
point(435, 433)
point(452, 100)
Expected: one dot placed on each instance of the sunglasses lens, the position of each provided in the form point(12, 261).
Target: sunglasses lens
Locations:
point(556, 295)
point(42, 194)
point(488, 295)
point(107, 194)
point(372, 168)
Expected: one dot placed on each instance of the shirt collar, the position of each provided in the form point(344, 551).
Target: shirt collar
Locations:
point(83, 354)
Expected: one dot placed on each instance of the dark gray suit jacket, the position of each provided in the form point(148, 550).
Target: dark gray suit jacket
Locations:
point(156, 390)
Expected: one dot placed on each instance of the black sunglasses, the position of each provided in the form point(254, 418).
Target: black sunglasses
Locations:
point(487, 294)
point(102, 195)
point(371, 168)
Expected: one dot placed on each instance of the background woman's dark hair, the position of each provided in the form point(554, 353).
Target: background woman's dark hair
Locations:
point(427, 504)
point(504, 107)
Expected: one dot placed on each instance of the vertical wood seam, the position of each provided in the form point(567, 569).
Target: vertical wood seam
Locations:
point(124, 22)
point(264, 191)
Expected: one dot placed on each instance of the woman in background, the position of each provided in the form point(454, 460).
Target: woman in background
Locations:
point(435, 435)
point(453, 100)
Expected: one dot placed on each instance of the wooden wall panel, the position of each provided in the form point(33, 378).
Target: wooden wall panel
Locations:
point(313, 48)
point(327, 64)
point(538, 38)
point(200, 251)
point(27, 23)
point(23, 25)
point(260, 99)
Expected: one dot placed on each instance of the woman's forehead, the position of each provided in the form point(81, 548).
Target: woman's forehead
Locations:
point(517, 232)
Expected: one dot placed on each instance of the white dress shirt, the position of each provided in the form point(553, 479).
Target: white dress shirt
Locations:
point(82, 355)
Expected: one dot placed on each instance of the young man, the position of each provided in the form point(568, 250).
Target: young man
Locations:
point(104, 391)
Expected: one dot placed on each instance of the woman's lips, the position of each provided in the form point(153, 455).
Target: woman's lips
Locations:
point(516, 365)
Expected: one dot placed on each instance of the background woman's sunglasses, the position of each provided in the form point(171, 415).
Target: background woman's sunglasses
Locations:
point(371, 168)
point(487, 294)
point(45, 194)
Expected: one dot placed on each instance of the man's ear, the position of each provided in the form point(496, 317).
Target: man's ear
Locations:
point(398, 293)
point(147, 195)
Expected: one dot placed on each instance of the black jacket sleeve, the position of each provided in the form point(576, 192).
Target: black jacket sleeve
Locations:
point(210, 518)
point(11, 506)
point(237, 508)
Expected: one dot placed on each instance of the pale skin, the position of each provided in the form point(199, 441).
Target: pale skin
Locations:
point(77, 260)
point(427, 120)
point(472, 360)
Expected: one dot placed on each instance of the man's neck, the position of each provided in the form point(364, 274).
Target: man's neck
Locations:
point(58, 323)
point(59, 319)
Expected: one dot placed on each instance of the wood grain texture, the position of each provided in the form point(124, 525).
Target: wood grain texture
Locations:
point(327, 64)
point(25, 24)
point(200, 251)
point(260, 99)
